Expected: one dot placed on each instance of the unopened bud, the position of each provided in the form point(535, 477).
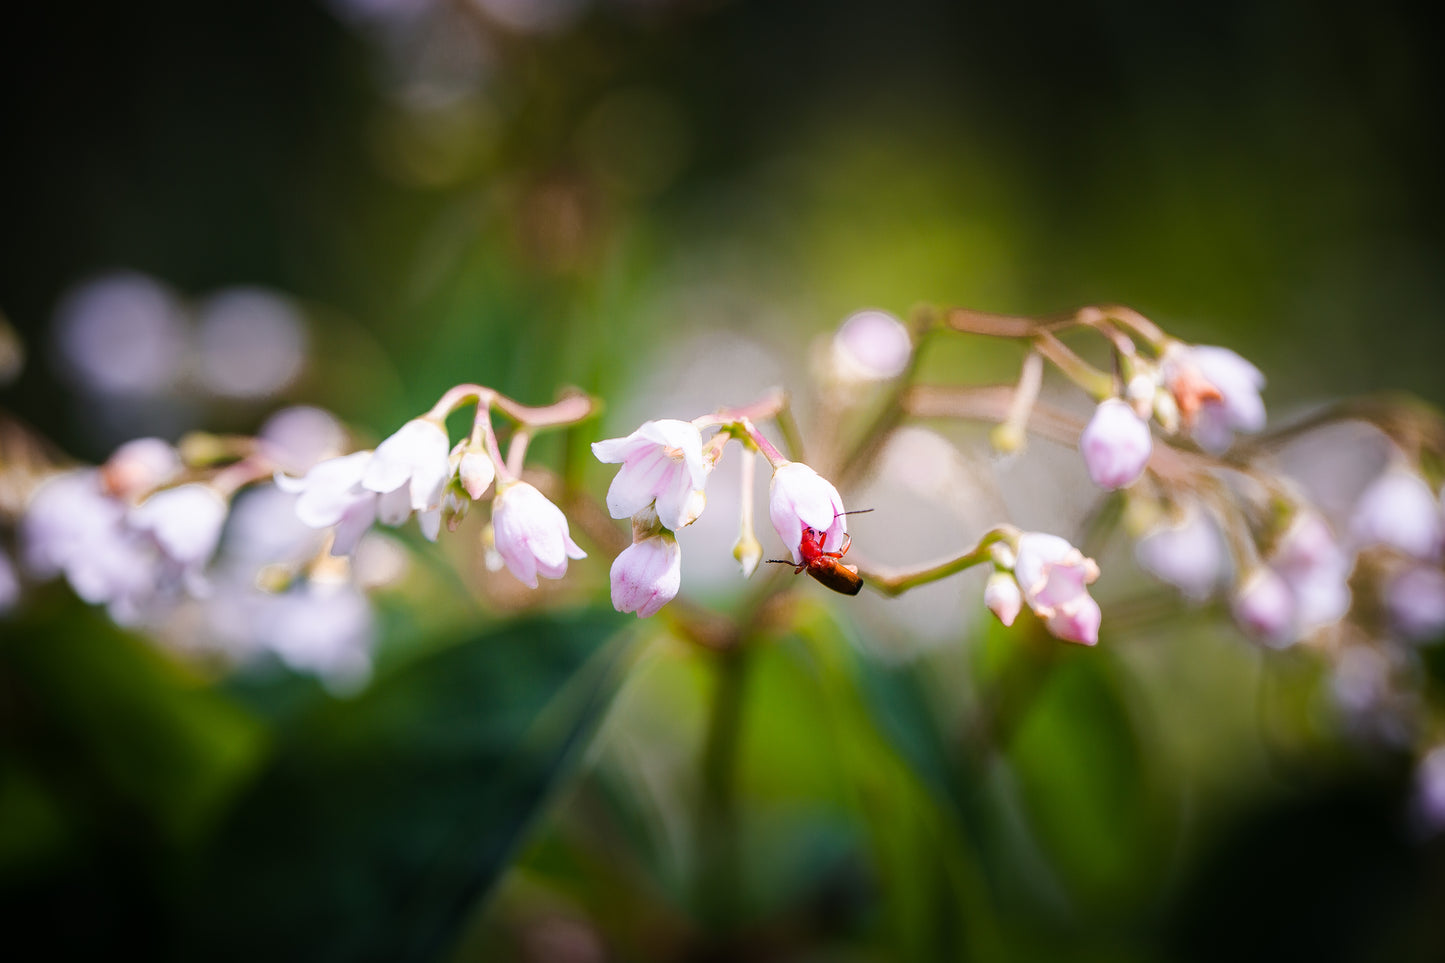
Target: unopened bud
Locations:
point(1007, 438)
point(476, 472)
point(748, 553)
point(1166, 411)
point(1140, 394)
point(454, 510)
point(1003, 597)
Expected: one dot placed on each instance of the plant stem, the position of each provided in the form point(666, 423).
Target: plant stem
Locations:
point(720, 870)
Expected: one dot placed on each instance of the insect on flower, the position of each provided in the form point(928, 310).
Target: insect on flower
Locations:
point(825, 567)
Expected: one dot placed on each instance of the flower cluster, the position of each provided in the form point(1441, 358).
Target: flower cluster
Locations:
point(1051, 577)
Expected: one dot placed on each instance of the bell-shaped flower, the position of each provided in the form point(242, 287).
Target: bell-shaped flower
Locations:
point(799, 498)
point(1316, 569)
point(662, 466)
point(531, 534)
point(1053, 577)
point(1002, 596)
point(415, 460)
point(1115, 445)
point(647, 575)
point(330, 493)
point(476, 472)
point(185, 522)
point(1399, 511)
point(1217, 391)
point(1264, 607)
point(1188, 554)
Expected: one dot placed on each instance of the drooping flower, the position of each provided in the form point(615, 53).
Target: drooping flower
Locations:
point(799, 498)
point(1217, 393)
point(408, 472)
point(1053, 577)
point(1189, 554)
point(1398, 510)
point(1264, 607)
point(531, 534)
point(1115, 445)
point(662, 466)
point(185, 522)
point(1003, 597)
point(1317, 571)
point(330, 493)
point(647, 574)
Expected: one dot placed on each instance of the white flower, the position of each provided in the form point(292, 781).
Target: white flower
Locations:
point(1317, 571)
point(1190, 555)
point(185, 521)
point(531, 534)
point(1217, 392)
point(1265, 608)
point(1115, 445)
point(647, 575)
point(299, 437)
point(330, 493)
point(1053, 577)
point(1415, 600)
point(799, 498)
point(1002, 596)
point(662, 463)
point(1398, 510)
point(409, 471)
point(870, 346)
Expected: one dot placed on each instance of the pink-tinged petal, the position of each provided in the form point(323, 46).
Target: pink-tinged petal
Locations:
point(477, 472)
point(531, 535)
point(798, 498)
point(1265, 608)
point(1399, 511)
point(431, 523)
point(185, 521)
point(638, 483)
point(1115, 445)
point(1003, 598)
point(1190, 555)
point(1237, 380)
point(646, 575)
point(1076, 621)
point(355, 523)
point(394, 507)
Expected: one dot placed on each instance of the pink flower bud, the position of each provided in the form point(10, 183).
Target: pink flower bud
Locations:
point(1002, 596)
point(800, 498)
point(1399, 511)
point(662, 466)
point(1265, 608)
point(476, 472)
point(531, 534)
point(1076, 621)
point(647, 575)
point(1115, 445)
point(138, 467)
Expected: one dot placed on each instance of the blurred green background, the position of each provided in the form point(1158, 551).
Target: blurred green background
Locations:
point(572, 192)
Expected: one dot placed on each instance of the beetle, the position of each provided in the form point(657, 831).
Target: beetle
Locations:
point(825, 567)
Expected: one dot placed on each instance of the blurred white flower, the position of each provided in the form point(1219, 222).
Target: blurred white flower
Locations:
point(799, 498)
point(298, 437)
point(1399, 511)
point(1429, 802)
point(1189, 554)
point(662, 465)
point(870, 346)
point(1415, 601)
point(647, 575)
point(185, 522)
point(531, 534)
point(252, 343)
point(1317, 570)
point(330, 493)
point(1265, 608)
point(1116, 445)
point(139, 466)
point(123, 334)
point(1053, 577)
point(1217, 392)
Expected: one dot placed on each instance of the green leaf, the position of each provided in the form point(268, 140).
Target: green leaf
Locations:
point(384, 819)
